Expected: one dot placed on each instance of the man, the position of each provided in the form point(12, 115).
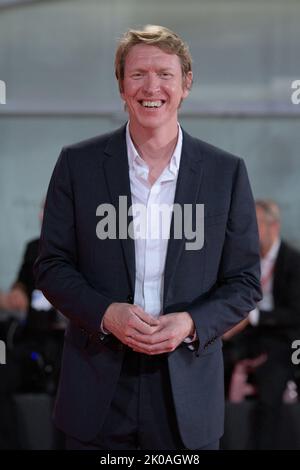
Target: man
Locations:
point(276, 322)
point(142, 365)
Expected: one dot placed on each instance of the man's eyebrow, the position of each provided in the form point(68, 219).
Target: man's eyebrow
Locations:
point(166, 69)
point(159, 69)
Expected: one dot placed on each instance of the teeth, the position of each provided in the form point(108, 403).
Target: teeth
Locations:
point(152, 104)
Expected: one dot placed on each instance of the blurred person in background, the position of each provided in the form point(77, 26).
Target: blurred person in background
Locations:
point(33, 328)
point(276, 321)
point(264, 346)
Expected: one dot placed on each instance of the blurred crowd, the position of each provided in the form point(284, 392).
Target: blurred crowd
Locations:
point(258, 351)
point(33, 332)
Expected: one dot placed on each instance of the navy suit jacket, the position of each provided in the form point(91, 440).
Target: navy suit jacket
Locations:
point(82, 275)
point(282, 324)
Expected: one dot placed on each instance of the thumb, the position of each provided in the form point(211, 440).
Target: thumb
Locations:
point(145, 317)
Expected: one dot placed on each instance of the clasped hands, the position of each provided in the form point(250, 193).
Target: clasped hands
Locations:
point(144, 333)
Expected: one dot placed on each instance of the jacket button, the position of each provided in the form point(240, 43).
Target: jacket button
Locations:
point(130, 299)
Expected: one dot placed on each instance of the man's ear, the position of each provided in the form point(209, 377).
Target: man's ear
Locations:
point(121, 89)
point(187, 85)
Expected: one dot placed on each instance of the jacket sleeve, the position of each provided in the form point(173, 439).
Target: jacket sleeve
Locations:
point(56, 268)
point(238, 286)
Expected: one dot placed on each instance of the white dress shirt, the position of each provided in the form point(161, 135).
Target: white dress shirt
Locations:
point(151, 243)
point(267, 265)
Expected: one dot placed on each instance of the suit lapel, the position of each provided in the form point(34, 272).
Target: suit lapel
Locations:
point(117, 176)
point(187, 189)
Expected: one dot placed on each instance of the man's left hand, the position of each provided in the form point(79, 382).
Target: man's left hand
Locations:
point(173, 329)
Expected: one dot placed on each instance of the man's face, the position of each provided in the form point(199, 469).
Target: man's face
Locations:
point(153, 87)
point(268, 231)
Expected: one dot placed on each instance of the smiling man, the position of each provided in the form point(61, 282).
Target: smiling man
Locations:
point(142, 365)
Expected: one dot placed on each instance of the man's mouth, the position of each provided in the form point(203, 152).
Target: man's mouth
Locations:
point(152, 104)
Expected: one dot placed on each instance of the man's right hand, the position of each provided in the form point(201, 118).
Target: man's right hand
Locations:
point(17, 300)
point(14, 301)
point(124, 320)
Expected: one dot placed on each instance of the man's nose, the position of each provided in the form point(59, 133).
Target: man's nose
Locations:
point(151, 84)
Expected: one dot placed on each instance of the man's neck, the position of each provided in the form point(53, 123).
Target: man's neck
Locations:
point(155, 146)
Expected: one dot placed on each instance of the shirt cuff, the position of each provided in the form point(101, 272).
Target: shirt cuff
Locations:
point(191, 338)
point(254, 317)
point(103, 330)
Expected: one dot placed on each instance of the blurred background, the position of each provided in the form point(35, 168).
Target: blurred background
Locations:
point(56, 58)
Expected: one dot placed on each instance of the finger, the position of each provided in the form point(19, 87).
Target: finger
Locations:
point(250, 389)
point(145, 317)
point(151, 339)
point(259, 360)
point(164, 346)
point(139, 327)
point(152, 352)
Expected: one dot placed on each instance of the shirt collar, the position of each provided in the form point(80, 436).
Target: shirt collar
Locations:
point(137, 164)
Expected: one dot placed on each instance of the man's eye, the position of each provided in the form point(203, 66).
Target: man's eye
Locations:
point(165, 75)
point(136, 75)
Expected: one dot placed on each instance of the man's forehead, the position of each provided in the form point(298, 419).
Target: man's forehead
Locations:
point(147, 53)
